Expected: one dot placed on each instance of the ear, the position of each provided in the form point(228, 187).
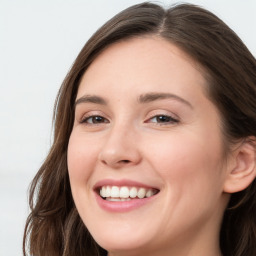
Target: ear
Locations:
point(242, 167)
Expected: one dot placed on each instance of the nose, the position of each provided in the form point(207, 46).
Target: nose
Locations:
point(120, 148)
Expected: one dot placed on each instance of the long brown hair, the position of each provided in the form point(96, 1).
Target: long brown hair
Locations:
point(54, 227)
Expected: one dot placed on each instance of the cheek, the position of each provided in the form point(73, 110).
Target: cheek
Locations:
point(188, 162)
point(81, 159)
point(192, 172)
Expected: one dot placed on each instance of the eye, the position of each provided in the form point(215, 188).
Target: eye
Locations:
point(94, 120)
point(162, 119)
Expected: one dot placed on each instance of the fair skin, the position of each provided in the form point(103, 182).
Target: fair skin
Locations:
point(143, 120)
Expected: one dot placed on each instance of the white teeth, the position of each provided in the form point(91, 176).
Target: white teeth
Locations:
point(124, 192)
point(149, 193)
point(114, 193)
point(117, 199)
point(125, 199)
point(133, 192)
point(107, 191)
point(103, 191)
point(141, 193)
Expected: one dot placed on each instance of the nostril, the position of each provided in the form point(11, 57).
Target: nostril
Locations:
point(104, 162)
point(119, 162)
point(125, 161)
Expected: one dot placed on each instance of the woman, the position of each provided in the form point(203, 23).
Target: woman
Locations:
point(154, 142)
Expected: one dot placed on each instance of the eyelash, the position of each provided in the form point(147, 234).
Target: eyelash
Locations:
point(93, 117)
point(166, 120)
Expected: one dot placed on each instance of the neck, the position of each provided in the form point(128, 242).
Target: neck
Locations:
point(178, 249)
point(190, 244)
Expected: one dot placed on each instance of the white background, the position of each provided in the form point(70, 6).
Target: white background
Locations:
point(39, 41)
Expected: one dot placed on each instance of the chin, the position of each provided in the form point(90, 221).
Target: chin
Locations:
point(119, 241)
point(124, 246)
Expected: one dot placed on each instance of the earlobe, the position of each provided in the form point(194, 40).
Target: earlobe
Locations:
point(243, 170)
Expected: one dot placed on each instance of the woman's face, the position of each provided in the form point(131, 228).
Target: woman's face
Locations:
point(145, 156)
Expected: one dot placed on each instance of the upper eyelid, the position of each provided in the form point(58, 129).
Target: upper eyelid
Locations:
point(92, 116)
point(162, 112)
point(171, 116)
point(173, 120)
point(91, 113)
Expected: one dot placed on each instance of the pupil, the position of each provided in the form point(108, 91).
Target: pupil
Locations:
point(98, 119)
point(163, 119)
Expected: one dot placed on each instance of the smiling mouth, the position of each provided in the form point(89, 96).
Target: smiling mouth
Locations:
point(125, 193)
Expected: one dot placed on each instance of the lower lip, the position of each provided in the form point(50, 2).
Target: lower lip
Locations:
point(122, 206)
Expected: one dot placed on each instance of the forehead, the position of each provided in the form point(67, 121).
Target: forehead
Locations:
point(139, 63)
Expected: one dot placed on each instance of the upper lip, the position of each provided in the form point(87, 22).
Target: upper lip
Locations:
point(119, 183)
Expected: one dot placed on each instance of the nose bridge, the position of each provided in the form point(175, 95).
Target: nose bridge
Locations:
point(120, 147)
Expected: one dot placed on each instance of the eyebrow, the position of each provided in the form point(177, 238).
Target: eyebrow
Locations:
point(150, 97)
point(91, 99)
point(144, 98)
